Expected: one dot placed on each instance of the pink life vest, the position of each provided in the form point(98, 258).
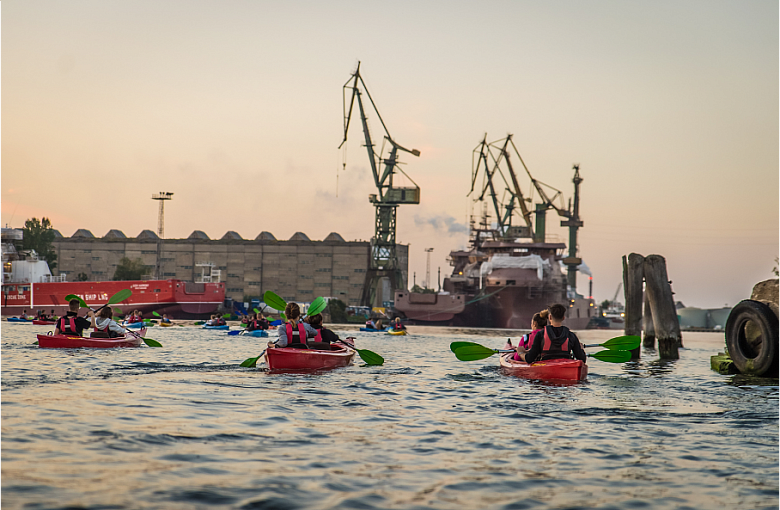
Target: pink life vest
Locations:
point(318, 336)
point(68, 323)
point(527, 339)
point(301, 334)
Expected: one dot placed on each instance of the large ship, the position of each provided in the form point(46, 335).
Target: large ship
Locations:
point(28, 286)
point(508, 273)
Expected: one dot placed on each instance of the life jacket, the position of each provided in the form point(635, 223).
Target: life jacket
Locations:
point(318, 336)
point(526, 340)
point(292, 335)
point(398, 326)
point(555, 347)
point(67, 326)
point(105, 330)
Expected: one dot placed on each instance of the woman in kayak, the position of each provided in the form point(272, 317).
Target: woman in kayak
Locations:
point(103, 322)
point(295, 332)
point(165, 319)
point(554, 341)
point(538, 322)
point(397, 325)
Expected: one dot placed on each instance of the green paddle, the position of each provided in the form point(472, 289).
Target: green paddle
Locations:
point(147, 341)
point(71, 297)
point(274, 301)
point(251, 362)
point(317, 306)
point(370, 357)
point(470, 351)
point(619, 343)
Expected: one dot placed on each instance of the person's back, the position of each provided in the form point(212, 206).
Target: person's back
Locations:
point(555, 341)
point(294, 333)
point(324, 336)
point(105, 324)
point(71, 324)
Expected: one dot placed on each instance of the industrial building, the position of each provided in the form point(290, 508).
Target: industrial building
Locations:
point(298, 269)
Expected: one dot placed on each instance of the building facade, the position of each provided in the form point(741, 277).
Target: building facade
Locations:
point(298, 269)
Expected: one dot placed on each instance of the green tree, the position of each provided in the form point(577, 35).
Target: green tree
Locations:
point(130, 269)
point(337, 310)
point(774, 269)
point(38, 236)
point(82, 277)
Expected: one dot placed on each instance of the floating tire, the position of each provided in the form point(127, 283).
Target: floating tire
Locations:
point(752, 338)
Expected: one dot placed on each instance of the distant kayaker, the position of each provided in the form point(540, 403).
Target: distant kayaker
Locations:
point(256, 324)
point(295, 332)
point(324, 335)
point(165, 319)
point(398, 325)
point(554, 341)
point(71, 323)
point(103, 322)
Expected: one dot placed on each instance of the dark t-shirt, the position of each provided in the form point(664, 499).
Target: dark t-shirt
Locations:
point(575, 347)
point(327, 335)
point(81, 323)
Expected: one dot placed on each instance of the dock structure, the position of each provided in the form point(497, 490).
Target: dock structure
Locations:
point(657, 298)
point(298, 269)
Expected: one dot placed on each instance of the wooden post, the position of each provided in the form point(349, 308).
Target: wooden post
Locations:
point(647, 321)
point(633, 272)
point(659, 295)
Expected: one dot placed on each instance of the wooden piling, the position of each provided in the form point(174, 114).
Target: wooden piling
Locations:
point(647, 324)
point(633, 273)
point(659, 294)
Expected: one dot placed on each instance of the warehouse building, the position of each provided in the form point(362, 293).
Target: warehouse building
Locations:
point(298, 269)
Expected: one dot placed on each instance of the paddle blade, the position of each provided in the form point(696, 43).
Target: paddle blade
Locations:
point(317, 306)
point(612, 356)
point(226, 316)
point(71, 297)
point(151, 343)
point(251, 362)
point(156, 314)
point(255, 310)
point(457, 345)
point(370, 357)
point(233, 333)
point(283, 316)
point(473, 352)
point(115, 309)
point(274, 301)
point(120, 296)
point(623, 343)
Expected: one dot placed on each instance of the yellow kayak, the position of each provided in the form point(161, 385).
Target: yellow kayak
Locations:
point(397, 333)
point(166, 324)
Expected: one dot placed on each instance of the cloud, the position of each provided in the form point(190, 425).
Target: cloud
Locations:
point(442, 223)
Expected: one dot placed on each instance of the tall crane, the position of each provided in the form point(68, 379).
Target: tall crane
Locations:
point(383, 261)
point(161, 197)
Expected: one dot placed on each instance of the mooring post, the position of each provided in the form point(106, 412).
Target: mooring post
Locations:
point(633, 272)
point(659, 294)
point(647, 324)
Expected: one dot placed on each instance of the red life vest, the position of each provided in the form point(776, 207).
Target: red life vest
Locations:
point(67, 325)
point(103, 329)
point(552, 347)
point(318, 336)
point(301, 334)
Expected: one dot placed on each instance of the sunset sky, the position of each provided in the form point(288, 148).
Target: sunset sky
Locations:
point(670, 108)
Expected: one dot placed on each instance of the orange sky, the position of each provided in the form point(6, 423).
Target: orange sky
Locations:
point(670, 108)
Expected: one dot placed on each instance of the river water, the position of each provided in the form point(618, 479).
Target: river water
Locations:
point(184, 427)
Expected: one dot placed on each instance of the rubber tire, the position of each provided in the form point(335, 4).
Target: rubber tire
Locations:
point(757, 358)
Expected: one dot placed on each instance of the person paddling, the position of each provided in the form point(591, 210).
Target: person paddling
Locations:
point(324, 336)
point(538, 322)
point(165, 319)
point(398, 325)
point(104, 322)
point(554, 341)
point(71, 323)
point(295, 332)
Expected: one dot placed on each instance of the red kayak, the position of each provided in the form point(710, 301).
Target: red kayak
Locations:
point(74, 342)
point(44, 323)
point(287, 358)
point(547, 370)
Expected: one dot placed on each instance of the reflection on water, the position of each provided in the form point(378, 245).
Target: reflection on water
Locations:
point(186, 427)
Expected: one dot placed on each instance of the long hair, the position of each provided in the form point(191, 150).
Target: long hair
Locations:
point(292, 311)
point(540, 318)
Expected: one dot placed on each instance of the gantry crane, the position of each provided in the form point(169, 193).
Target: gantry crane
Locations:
point(383, 261)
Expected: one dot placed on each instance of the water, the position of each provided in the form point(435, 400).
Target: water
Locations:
point(185, 427)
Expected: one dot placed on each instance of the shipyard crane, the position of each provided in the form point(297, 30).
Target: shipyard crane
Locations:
point(572, 214)
point(504, 211)
point(383, 261)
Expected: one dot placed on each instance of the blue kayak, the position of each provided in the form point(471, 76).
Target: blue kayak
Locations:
point(261, 333)
point(373, 330)
point(135, 325)
point(17, 319)
point(225, 327)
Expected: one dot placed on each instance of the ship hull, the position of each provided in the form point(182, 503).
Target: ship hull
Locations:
point(178, 299)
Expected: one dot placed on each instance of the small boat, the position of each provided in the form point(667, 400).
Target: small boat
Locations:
point(44, 323)
point(225, 327)
point(399, 332)
point(167, 324)
point(373, 330)
point(18, 319)
point(260, 333)
point(288, 358)
point(75, 342)
point(547, 370)
point(134, 325)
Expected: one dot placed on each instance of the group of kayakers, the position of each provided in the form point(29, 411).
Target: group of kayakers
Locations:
point(255, 322)
point(40, 315)
point(135, 316)
point(549, 338)
point(396, 325)
point(216, 320)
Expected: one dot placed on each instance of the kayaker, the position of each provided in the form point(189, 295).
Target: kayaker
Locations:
point(295, 332)
point(398, 325)
point(554, 341)
point(256, 324)
point(165, 319)
point(103, 322)
point(71, 323)
point(324, 335)
point(370, 324)
point(263, 322)
point(538, 322)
